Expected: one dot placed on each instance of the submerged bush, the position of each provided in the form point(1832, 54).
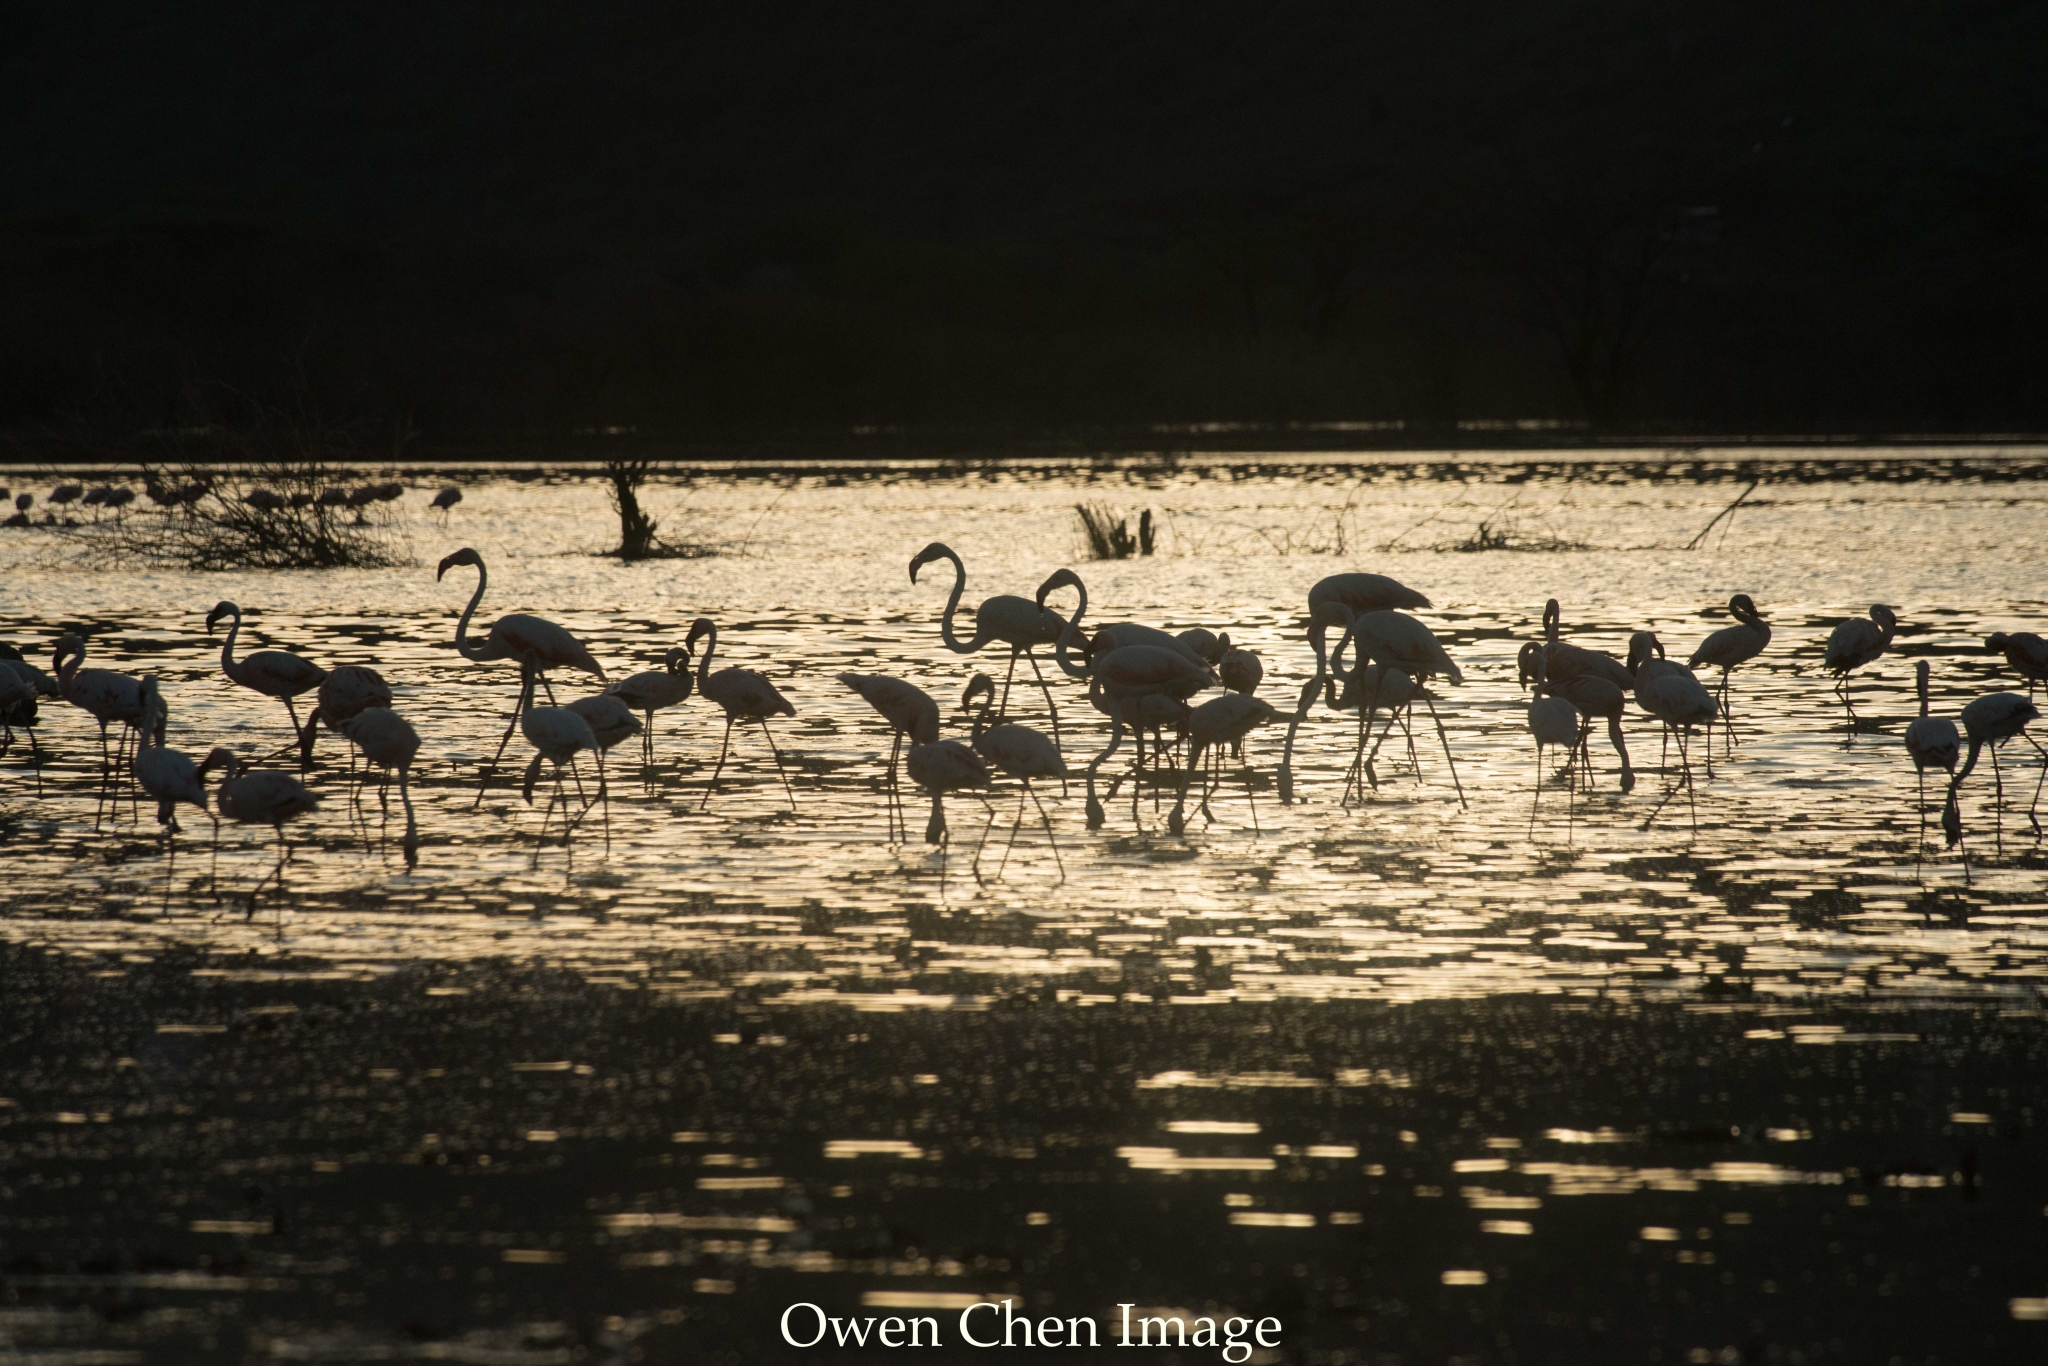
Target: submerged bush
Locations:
point(271, 493)
point(1109, 535)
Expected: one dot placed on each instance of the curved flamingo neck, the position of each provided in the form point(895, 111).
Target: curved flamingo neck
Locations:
point(946, 631)
point(66, 665)
point(981, 714)
point(1073, 629)
point(1920, 686)
point(228, 665)
point(462, 646)
point(704, 664)
point(1550, 621)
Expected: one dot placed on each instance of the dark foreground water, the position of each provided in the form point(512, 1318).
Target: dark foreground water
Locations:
point(1425, 1082)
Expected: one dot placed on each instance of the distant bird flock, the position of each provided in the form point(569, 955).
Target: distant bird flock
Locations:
point(1145, 681)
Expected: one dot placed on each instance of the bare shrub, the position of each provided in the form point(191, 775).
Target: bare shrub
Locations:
point(1109, 533)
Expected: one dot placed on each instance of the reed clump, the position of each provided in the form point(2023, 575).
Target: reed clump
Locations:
point(1109, 535)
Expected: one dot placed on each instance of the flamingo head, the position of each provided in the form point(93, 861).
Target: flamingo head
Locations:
point(1643, 647)
point(937, 550)
point(462, 556)
point(677, 661)
point(1997, 642)
point(1330, 612)
point(1884, 616)
point(226, 760)
point(1059, 578)
point(699, 628)
point(1742, 606)
point(155, 713)
point(977, 685)
point(221, 609)
point(1553, 615)
point(66, 646)
point(1529, 663)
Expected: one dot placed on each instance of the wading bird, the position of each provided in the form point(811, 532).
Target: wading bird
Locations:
point(653, 690)
point(1017, 622)
point(1676, 697)
point(1730, 647)
point(940, 767)
point(347, 690)
point(742, 695)
point(1563, 661)
point(1395, 640)
point(1856, 642)
point(534, 643)
point(273, 673)
point(165, 774)
point(1991, 721)
point(2026, 652)
point(557, 735)
point(612, 722)
point(444, 500)
point(912, 714)
point(1216, 725)
point(1553, 721)
point(263, 796)
point(1598, 697)
point(1118, 678)
point(18, 708)
point(1931, 742)
point(1018, 752)
point(104, 695)
point(389, 742)
point(1364, 593)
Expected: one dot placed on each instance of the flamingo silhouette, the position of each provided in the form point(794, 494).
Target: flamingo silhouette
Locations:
point(1021, 753)
point(653, 690)
point(2026, 652)
point(742, 695)
point(104, 695)
point(1856, 642)
point(557, 735)
point(912, 714)
point(1730, 647)
point(1931, 742)
point(347, 690)
point(535, 643)
point(273, 673)
point(389, 742)
point(1217, 724)
point(1017, 622)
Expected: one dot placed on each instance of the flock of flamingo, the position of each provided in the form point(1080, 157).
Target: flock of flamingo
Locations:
point(1143, 679)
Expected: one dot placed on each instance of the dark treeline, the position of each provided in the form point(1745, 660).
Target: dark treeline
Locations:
point(520, 222)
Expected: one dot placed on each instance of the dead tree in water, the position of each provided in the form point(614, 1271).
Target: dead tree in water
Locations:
point(636, 528)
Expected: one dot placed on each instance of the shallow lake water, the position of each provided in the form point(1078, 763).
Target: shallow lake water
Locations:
point(1426, 1079)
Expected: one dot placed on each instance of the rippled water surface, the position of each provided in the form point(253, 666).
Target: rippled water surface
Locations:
point(1762, 1087)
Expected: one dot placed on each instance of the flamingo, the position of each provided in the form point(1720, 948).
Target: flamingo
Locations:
point(1119, 634)
point(742, 695)
point(1207, 645)
point(1122, 676)
point(1856, 642)
point(535, 643)
point(612, 722)
point(1394, 639)
point(1021, 753)
point(263, 796)
point(1364, 593)
point(1017, 622)
point(557, 735)
point(653, 690)
point(273, 673)
point(912, 714)
point(164, 773)
point(18, 708)
point(1991, 721)
point(1599, 697)
point(1553, 720)
point(2026, 652)
point(1217, 723)
point(104, 695)
point(347, 690)
point(1675, 696)
point(1730, 647)
point(1240, 670)
point(388, 741)
point(940, 767)
point(1931, 742)
point(1564, 661)
point(444, 500)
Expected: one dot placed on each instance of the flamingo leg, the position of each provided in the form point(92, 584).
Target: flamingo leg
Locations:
point(778, 763)
point(1116, 737)
point(1446, 739)
point(723, 746)
point(1920, 804)
point(412, 828)
point(1003, 707)
point(1051, 707)
point(1050, 838)
point(2032, 819)
point(604, 796)
point(982, 844)
point(1997, 803)
point(518, 710)
point(1251, 794)
point(1176, 820)
point(1536, 791)
point(893, 797)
